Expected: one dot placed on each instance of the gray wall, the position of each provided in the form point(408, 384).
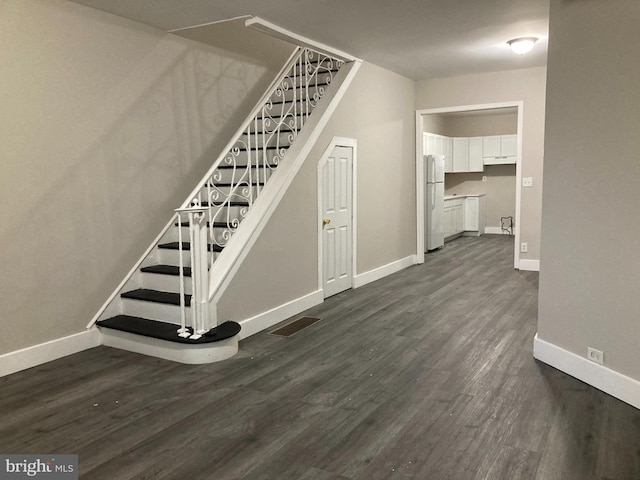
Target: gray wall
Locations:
point(378, 111)
point(480, 125)
point(527, 85)
point(106, 126)
point(590, 232)
point(500, 190)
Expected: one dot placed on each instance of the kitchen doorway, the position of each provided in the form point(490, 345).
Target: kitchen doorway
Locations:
point(441, 120)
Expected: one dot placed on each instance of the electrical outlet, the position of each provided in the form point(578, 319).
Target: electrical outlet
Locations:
point(527, 181)
point(595, 355)
point(524, 247)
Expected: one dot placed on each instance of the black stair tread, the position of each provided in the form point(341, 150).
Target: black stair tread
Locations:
point(234, 203)
point(167, 270)
point(156, 296)
point(239, 184)
point(215, 224)
point(240, 167)
point(260, 148)
point(268, 116)
point(300, 100)
point(187, 246)
point(314, 84)
point(167, 331)
point(284, 129)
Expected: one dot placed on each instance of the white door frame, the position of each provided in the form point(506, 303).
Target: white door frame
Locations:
point(420, 184)
point(351, 143)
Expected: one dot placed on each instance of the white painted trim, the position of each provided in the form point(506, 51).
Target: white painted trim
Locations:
point(289, 36)
point(262, 321)
point(516, 230)
point(529, 265)
point(347, 143)
point(609, 381)
point(495, 231)
point(385, 270)
point(420, 169)
point(420, 188)
point(13, 362)
point(181, 29)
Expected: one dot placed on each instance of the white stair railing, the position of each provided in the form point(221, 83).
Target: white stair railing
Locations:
point(227, 192)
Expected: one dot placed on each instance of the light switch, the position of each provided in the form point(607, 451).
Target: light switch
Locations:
point(527, 181)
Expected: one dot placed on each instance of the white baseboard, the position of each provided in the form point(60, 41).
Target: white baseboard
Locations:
point(529, 265)
point(495, 231)
point(13, 362)
point(253, 325)
point(381, 272)
point(609, 381)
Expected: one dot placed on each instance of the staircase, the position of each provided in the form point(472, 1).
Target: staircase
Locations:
point(166, 306)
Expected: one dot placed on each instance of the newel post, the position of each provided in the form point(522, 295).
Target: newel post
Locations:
point(199, 272)
point(198, 250)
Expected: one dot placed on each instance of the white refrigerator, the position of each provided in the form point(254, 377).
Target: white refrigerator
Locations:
point(434, 201)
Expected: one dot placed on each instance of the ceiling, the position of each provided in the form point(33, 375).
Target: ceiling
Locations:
point(417, 38)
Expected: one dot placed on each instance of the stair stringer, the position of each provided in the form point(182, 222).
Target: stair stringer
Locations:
point(229, 261)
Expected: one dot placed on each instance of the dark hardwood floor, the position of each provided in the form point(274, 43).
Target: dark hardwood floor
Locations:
point(426, 374)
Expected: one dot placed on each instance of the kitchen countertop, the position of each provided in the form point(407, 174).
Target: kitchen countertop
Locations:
point(463, 195)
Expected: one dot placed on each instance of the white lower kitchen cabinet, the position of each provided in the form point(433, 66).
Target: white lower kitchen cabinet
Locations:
point(453, 216)
point(463, 215)
point(474, 215)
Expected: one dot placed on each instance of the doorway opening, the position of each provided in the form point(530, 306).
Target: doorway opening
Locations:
point(485, 171)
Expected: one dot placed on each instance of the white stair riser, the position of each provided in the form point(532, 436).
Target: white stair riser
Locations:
point(242, 192)
point(228, 175)
point(269, 137)
point(154, 311)
point(165, 283)
point(171, 235)
point(255, 157)
point(227, 214)
point(301, 94)
point(275, 122)
point(176, 352)
point(172, 257)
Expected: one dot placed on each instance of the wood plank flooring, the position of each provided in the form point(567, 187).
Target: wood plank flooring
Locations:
point(426, 374)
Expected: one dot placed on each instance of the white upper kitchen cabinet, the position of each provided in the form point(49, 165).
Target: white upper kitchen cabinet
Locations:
point(500, 149)
point(509, 145)
point(448, 154)
point(467, 154)
point(460, 154)
point(439, 145)
point(476, 162)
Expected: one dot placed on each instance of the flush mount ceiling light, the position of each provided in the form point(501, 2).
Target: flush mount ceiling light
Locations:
point(522, 45)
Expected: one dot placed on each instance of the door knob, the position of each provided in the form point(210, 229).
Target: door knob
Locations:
point(325, 221)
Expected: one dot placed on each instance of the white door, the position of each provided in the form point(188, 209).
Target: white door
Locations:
point(337, 186)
